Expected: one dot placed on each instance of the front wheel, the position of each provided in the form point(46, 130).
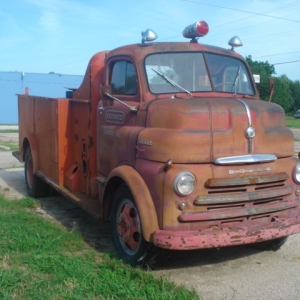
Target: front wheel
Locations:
point(126, 228)
point(35, 186)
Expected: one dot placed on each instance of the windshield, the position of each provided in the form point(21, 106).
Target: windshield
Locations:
point(196, 72)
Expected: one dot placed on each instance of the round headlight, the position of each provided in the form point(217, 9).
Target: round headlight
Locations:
point(184, 183)
point(297, 173)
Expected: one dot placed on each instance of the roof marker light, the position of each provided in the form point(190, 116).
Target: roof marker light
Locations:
point(195, 30)
point(235, 42)
point(148, 36)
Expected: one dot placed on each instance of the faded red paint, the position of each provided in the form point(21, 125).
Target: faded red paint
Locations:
point(190, 240)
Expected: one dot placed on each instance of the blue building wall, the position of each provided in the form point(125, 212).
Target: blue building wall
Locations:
point(50, 85)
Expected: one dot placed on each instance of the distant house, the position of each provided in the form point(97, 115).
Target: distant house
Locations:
point(50, 85)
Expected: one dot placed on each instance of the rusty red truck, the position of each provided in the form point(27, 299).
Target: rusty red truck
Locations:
point(170, 143)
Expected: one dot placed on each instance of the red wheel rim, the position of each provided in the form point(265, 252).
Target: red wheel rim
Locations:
point(128, 226)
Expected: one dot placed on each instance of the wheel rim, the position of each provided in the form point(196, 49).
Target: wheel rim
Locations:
point(29, 172)
point(128, 227)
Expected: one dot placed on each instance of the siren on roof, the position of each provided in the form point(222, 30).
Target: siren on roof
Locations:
point(196, 30)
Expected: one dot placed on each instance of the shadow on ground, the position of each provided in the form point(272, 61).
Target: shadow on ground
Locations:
point(72, 217)
point(97, 235)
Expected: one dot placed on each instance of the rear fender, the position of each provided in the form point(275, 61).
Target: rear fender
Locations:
point(30, 141)
point(141, 195)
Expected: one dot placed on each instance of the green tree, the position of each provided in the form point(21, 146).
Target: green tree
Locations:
point(265, 70)
point(295, 90)
point(283, 94)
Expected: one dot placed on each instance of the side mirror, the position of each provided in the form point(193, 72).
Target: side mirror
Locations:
point(106, 89)
point(271, 88)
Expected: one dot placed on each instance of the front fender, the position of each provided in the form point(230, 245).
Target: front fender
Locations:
point(142, 198)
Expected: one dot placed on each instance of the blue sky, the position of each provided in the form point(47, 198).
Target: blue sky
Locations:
point(61, 35)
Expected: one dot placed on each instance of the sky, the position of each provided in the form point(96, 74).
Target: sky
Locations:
point(42, 36)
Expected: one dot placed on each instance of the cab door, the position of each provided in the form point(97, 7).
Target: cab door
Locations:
point(116, 121)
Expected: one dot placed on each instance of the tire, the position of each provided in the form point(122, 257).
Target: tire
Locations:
point(126, 227)
point(272, 245)
point(35, 186)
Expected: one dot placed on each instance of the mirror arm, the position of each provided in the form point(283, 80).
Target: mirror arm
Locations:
point(271, 95)
point(120, 101)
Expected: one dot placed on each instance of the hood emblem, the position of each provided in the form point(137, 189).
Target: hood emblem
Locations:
point(242, 171)
point(250, 132)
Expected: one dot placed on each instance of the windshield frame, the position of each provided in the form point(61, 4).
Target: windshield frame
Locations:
point(240, 63)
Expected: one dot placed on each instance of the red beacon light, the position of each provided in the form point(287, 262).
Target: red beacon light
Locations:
point(195, 30)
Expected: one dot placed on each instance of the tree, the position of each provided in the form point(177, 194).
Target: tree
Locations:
point(283, 94)
point(295, 90)
point(265, 70)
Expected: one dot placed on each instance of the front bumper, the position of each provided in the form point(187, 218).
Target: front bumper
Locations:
point(189, 240)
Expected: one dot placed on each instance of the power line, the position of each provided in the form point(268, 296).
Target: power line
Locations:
point(63, 65)
point(240, 10)
point(287, 62)
point(289, 4)
point(270, 34)
point(276, 54)
point(270, 10)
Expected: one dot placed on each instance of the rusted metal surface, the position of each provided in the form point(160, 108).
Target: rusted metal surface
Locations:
point(16, 154)
point(238, 181)
point(86, 146)
point(188, 240)
point(221, 214)
point(241, 197)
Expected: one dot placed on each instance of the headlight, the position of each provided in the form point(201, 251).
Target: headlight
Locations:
point(185, 183)
point(297, 173)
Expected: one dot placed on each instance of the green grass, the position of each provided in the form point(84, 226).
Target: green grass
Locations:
point(12, 146)
point(9, 130)
point(41, 260)
point(292, 122)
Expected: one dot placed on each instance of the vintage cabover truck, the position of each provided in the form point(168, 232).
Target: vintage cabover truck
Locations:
point(171, 144)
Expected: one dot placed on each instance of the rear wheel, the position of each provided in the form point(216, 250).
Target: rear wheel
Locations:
point(126, 228)
point(272, 245)
point(35, 186)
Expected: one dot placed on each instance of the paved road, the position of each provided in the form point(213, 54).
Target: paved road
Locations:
point(296, 133)
point(226, 273)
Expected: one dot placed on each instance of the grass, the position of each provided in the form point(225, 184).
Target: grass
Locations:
point(41, 260)
point(292, 122)
point(11, 145)
point(9, 130)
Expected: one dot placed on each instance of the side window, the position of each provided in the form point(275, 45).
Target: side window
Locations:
point(123, 78)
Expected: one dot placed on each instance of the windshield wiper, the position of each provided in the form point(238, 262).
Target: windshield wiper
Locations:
point(236, 79)
point(169, 80)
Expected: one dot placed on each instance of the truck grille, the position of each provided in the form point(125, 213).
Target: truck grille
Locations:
point(244, 199)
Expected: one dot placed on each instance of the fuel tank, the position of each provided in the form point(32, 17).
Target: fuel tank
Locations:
point(201, 130)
